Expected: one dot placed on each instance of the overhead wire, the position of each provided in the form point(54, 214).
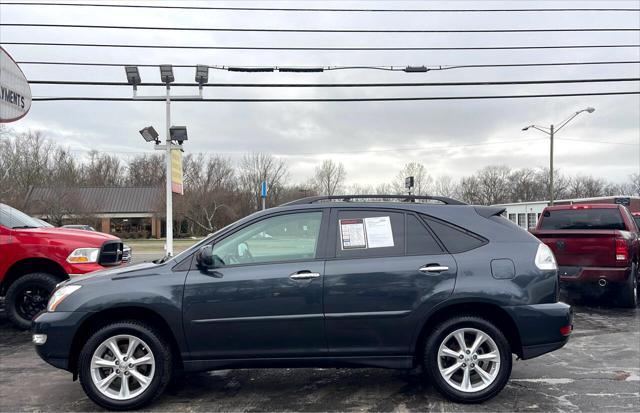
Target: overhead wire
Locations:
point(329, 48)
point(354, 99)
point(393, 68)
point(280, 30)
point(315, 9)
point(339, 85)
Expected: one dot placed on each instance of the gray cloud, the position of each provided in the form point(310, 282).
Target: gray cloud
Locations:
point(316, 130)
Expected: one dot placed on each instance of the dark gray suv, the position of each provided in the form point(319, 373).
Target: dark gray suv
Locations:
point(352, 281)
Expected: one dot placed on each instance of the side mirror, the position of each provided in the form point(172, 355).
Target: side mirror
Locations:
point(204, 257)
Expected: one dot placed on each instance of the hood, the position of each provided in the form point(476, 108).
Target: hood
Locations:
point(82, 236)
point(123, 271)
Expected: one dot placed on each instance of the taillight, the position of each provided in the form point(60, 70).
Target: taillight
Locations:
point(566, 330)
point(622, 250)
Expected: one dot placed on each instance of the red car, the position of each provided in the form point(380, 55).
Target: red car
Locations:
point(34, 258)
point(595, 245)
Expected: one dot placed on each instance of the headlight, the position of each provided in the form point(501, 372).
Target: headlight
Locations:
point(82, 255)
point(544, 258)
point(59, 295)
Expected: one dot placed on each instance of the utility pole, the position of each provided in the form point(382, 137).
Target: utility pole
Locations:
point(551, 165)
point(552, 130)
point(169, 195)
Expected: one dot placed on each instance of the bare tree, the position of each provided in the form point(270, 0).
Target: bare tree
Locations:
point(256, 168)
point(329, 177)
point(102, 170)
point(422, 181)
point(445, 186)
point(146, 170)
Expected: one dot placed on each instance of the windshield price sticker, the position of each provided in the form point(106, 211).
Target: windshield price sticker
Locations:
point(379, 233)
point(352, 234)
point(374, 232)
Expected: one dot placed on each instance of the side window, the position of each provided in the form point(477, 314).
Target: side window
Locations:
point(455, 239)
point(280, 238)
point(369, 233)
point(419, 239)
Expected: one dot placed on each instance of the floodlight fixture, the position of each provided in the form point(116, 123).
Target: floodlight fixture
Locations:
point(178, 133)
point(133, 75)
point(202, 74)
point(166, 74)
point(150, 135)
point(590, 109)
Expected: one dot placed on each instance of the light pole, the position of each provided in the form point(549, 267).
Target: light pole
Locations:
point(551, 131)
point(166, 75)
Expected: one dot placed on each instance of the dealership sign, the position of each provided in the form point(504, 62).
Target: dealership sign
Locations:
point(15, 93)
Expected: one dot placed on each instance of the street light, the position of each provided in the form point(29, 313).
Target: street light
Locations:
point(166, 74)
point(551, 131)
point(176, 133)
point(133, 76)
point(150, 135)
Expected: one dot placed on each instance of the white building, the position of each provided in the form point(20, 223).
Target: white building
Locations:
point(527, 214)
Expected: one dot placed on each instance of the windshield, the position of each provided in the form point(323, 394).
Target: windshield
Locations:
point(12, 218)
point(591, 218)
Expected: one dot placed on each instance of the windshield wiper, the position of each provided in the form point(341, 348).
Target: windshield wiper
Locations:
point(23, 227)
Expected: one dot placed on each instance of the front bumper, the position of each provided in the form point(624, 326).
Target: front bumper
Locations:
point(541, 327)
point(60, 328)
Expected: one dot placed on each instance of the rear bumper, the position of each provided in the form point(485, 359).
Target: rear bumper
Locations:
point(593, 274)
point(540, 327)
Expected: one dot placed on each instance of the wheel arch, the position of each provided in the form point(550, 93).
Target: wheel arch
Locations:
point(126, 313)
point(31, 265)
point(489, 311)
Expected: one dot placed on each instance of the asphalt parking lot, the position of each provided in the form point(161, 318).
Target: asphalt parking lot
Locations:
point(599, 370)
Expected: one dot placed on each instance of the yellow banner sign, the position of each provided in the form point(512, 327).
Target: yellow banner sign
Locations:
point(176, 172)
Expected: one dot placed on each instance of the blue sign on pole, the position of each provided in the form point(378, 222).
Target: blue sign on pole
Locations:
point(263, 189)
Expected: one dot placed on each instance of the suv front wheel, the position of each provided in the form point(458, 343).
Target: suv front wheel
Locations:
point(125, 365)
point(467, 359)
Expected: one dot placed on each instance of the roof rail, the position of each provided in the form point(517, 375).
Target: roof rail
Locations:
point(350, 198)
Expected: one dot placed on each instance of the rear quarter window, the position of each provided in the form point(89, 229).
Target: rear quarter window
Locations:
point(583, 218)
point(454, 238)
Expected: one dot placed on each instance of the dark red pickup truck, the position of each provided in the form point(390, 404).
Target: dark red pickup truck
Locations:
point(34, 258)
point(594, 245)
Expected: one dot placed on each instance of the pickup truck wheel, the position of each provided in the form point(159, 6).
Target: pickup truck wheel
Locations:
point(125, 365)
point(628, 292)
point(467, 359)
point(28, 296)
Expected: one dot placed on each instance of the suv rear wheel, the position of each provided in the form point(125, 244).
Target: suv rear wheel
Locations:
point(27, 296)
point(467, 359)
point(125, 365)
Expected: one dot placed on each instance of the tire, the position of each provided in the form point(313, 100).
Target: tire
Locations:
point(497, 368)
point(27, 296)
point(145, 382)
point(628, 292)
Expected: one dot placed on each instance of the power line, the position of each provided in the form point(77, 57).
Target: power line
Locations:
point(299, 9)
point(293, 48)
point(278, 30)
point(374, 99)
point(334, 85)
point(398, 68)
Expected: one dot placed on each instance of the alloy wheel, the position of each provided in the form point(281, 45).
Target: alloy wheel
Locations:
point(122, 367)
point(468, 360)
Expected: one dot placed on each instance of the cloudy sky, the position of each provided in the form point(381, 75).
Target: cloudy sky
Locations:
point(372, 139)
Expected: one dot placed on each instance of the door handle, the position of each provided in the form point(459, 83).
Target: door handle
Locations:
point(433, 268)
point(304, 275)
